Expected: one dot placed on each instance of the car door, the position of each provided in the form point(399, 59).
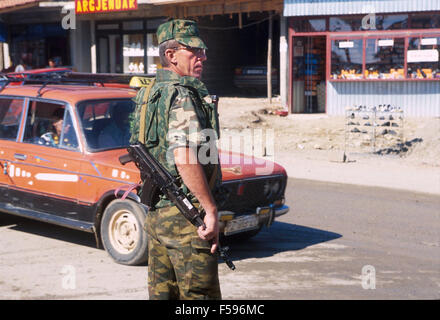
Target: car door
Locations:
point(46, 173)
point(11, 115)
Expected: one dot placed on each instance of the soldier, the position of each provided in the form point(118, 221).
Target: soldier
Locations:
point(182, 262)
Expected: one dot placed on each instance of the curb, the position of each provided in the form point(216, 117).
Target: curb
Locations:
point(371, 173)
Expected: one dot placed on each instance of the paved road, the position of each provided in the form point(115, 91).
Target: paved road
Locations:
point(337, 242)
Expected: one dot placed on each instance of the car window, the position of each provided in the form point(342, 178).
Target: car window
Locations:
point(68, 138)
point(51, 125)
point(10, 115)
point(105, 123)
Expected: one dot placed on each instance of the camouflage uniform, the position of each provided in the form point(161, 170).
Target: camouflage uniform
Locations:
point(180, 265)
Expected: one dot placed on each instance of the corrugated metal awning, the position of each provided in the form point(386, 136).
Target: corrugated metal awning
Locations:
point(337, 7)
point(12, 5)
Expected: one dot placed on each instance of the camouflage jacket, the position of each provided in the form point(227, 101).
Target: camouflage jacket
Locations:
point(180, 113)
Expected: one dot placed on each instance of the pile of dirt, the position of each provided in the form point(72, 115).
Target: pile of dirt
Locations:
point(318, 136)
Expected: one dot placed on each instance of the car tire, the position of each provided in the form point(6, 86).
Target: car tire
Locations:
point(122, 232)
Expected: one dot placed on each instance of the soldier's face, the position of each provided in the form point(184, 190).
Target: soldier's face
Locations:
point(188, 61)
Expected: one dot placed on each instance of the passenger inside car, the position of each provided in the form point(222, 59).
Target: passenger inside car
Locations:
point(47, 125)
point(116, 133)
point(52, 137)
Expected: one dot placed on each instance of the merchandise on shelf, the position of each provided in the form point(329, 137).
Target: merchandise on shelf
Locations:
point(377, 127)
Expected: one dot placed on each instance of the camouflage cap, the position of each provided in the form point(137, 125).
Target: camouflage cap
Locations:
point(185, 32)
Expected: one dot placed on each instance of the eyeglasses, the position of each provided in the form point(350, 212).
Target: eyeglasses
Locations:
point(198, 52)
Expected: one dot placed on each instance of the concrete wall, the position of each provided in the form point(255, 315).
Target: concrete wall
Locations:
point(416, 98)
point(80, 42)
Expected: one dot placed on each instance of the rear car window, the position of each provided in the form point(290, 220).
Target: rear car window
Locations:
point(10, 115)
point(105, 123)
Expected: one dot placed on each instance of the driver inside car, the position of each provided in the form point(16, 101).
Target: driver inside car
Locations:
point(53, 136)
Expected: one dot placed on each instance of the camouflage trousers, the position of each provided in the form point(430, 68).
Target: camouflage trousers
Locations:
point(180, 264)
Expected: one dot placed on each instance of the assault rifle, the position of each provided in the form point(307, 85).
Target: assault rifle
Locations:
point(151, 169)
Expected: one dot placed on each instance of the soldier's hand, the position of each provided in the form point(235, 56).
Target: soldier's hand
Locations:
point(210, 233)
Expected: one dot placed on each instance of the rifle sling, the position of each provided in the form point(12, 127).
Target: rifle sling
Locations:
point(141, 137)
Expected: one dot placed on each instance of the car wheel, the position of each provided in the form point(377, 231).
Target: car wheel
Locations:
point(122, 232)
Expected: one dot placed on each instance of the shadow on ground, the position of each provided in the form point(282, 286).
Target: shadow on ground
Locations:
point(47, 230)
point(400, 149)
point(280, 237)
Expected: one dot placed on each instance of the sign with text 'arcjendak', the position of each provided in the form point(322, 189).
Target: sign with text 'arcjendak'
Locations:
point(99, 6)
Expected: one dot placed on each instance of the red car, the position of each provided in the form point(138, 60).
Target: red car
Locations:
point(59, 150)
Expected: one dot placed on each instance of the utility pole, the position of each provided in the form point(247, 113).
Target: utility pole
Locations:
point(269, 61)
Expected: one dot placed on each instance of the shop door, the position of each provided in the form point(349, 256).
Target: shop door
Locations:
point(109, 53)
point(308, 86)
point(48, 160)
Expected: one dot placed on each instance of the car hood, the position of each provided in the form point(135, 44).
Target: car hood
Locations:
point(234, 165)
point(240, 166)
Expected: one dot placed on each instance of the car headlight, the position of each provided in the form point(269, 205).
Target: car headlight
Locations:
point(275, 188)
point(266, 188)
point(271, 188)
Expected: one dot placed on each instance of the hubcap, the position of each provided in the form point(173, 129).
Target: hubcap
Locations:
point(124, 231)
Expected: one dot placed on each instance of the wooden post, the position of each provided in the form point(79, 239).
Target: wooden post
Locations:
point(269, 61)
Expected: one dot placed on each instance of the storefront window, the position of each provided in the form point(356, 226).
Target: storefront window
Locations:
point(133, 52)
point(391, 22)
point(109, 53)
point(423, 58)
point(309, 25)
point(152, 24)
point(133, 25)
point(152, 53)
point(347, 59)
point(33, 44)
point(107, 26)
point(385, 58)
point(424, 21)
point(345, 24)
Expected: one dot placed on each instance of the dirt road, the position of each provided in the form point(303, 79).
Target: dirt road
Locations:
point(334, 239)
point(316, 251)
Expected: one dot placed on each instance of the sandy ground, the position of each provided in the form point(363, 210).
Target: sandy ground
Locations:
point(314, 146)
point(317, 251)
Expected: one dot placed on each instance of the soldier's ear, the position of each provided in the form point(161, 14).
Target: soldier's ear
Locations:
point(170, 55)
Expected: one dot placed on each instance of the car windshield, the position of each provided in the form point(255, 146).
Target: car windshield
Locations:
point(105, 123)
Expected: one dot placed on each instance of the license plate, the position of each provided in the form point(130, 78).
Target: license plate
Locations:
point(241, 224)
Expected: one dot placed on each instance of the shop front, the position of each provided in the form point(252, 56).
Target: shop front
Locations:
point(340, 61)
point(34, 44)
point(128, 46)
point(236, 33)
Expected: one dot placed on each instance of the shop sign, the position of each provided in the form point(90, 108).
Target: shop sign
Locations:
point(386, 43)
point(346, 44)
point(99, 6)
point(429, 41)
point(423, 55)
